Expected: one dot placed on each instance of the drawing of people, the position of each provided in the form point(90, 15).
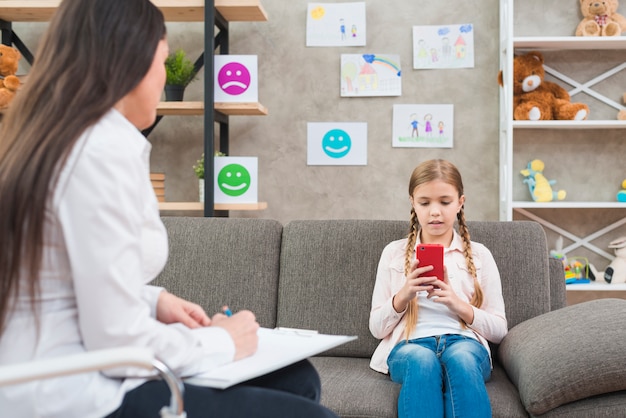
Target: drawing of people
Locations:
point(354, 31)
point(428, 127)
point(414, 124)
point(433, 55)
point(440, 126)
point(422, 53)
point(446, 49)
point(342, 29)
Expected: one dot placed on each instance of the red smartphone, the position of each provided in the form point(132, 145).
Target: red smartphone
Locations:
point(431, 255)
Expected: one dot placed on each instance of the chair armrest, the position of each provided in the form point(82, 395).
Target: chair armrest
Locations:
point(94, 361)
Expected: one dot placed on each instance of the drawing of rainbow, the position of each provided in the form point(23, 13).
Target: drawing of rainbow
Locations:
point(373, 59)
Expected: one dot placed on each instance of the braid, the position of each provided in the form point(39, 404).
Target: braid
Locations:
point(411, 312)
point(477, 298)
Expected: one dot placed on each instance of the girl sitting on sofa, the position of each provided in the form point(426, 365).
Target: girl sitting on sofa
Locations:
point(434, 333)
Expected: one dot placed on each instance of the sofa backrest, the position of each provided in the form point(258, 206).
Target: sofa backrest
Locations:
point(222, 261)
point(327, 273)
point(328, 269)
point(521, 253)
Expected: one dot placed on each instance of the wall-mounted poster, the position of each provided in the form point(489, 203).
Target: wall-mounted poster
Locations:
point(335, 24)
point(443, 46)
point(236, 78)
point(423, 126)
point(337, 143)
point(236, 179)
point(370, 75)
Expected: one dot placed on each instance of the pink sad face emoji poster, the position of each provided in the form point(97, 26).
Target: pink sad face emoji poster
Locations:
point(236, 78)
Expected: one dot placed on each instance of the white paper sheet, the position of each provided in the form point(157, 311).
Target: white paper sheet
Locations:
point(277, 349)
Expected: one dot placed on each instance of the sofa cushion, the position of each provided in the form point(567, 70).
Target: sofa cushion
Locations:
point(568, 354)
point(503, 396)
point(351, 389)
point(218, 261)
point(609, 405)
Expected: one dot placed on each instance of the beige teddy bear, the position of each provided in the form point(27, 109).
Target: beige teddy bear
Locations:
point(9, 83)
point(622, 113)
point(600, 18)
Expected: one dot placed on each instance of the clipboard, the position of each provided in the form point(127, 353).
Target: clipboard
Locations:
point(277, 348)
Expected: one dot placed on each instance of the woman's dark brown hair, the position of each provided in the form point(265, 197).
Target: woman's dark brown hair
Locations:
point(93, 53)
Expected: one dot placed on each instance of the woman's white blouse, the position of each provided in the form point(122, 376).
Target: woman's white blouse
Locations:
point(104, 242)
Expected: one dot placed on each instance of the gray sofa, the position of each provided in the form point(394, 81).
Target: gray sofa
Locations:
point(556, 361)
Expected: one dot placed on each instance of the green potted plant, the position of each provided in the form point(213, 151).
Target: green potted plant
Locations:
point(179, 72)
point(198, 169)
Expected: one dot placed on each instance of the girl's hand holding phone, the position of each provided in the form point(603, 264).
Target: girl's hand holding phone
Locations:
point(446, 295)
point(418, 280)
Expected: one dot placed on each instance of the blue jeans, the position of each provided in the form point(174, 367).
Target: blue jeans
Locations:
point(441, 376)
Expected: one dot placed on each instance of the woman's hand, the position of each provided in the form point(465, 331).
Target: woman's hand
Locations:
point(445, 294)
point(172, 309)
point(412, 285)
point(242, 328)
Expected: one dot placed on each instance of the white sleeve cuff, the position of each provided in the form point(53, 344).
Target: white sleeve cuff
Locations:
point(151, 295)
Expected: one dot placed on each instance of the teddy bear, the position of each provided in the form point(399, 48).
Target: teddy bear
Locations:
point(9, 83)
point(600, 18)
point(534, 98)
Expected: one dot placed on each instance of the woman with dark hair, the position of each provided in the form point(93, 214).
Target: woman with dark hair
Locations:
point(81, 236)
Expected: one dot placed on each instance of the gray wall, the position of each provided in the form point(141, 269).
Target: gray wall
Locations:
point(300, 85)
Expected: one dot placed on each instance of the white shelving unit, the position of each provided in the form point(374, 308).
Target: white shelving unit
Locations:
point(511, 45)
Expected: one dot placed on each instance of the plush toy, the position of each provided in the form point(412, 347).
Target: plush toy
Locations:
point(9, 83)
point(622, 113)
point(616, 271)
point(539, 186)
point(621, 195)
point(537, 99)
point(600, 18)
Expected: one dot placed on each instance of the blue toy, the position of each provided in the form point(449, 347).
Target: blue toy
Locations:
point(539, 186)
point(621, 195)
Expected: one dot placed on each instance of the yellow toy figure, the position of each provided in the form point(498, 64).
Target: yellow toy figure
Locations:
point(540, 187)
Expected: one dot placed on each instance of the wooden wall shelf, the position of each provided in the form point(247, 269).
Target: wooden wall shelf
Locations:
point(239, 109)
point(197, 109)
point(173, 10)
point(241, 10)
point(180, 108)
point(199, 206)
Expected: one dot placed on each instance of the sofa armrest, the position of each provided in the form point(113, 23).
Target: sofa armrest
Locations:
point(567, 354)
point(558, 296)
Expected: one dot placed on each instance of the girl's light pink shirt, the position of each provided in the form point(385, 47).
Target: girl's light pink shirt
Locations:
point(385, 323)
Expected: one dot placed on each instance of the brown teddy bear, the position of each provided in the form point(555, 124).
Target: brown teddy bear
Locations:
point(622, 113)
point(537, 99)
point(9, 83)
point(600, 18)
